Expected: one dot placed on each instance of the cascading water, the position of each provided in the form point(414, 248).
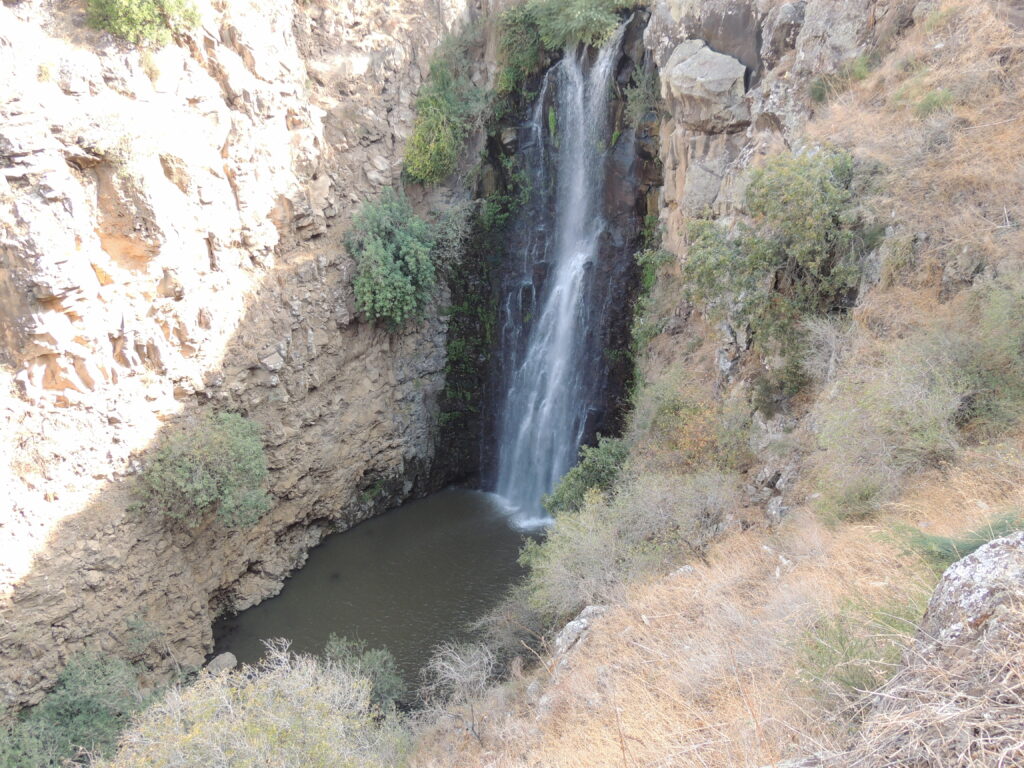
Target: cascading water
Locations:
point(554, 371)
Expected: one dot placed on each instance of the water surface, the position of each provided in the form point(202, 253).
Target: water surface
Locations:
point(407, 580)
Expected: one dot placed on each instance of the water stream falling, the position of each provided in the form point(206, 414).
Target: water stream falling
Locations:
point(554, 367)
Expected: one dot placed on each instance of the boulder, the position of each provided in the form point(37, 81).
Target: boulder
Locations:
point(222, 663)
point(705, 90)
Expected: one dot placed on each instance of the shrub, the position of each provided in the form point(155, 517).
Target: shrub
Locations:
point(599, 468)
point(643, 96)
point(650, 523)
point(290, 711)
point(143, 21)
point(455, 677)
point(447, 108)
point(395, 271)
point(80, 719)
point(520, 48)
point(216, 465)
point(933, 101)
point(567, 23)
point(909, 408)
point(376, 665)
point(801, 258)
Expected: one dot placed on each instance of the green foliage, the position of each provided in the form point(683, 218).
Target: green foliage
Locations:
point(395, 273)
point(933, 101)
point(801, 258)
point(290, 711)
point(447, 108)
point(567, 23)
point(216, 465)
point(81, 718)
point(375, 664)
point(520, 48)
point(599, 468)
point(942, 551)
point(143, 21)
point(643, 96)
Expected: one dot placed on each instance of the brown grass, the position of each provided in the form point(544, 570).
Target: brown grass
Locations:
point(704, 669)
point(953, 172)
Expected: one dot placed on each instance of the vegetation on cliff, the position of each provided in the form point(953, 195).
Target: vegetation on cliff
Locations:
point(392, 247)
point(215, 465)
point(80, 719)
point(143, 21)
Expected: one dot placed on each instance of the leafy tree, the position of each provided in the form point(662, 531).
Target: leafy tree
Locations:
point(800, 258)
point(395, 271)
point(143, 21)
point(216, 465)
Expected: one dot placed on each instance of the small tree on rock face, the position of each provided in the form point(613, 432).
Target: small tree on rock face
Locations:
point(216, 466)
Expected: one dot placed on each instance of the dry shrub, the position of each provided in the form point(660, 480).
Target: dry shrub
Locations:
point(290, 711)
point(943, 117)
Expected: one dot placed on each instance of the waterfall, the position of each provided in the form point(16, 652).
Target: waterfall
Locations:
point(553, 367)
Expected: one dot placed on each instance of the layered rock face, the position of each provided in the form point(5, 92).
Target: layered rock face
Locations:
point(736, 78)
point(170, 240)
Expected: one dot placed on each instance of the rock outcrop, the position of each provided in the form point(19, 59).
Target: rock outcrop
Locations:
point(170, 240)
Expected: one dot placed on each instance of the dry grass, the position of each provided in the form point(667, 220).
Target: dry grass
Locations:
point(943, 117)
point(707, 668)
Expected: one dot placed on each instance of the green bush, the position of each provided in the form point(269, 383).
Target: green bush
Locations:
point(643, 96)
point(521, 50)
point(801, 257)
point(447, 108)
point(375, 664)
point(599, 468)
point(80, 719)
point(395, 271)
point(291, 711)
point(143, 21)
point(567, 23)
point(216, 465)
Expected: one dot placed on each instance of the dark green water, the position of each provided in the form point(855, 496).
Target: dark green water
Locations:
point(407, 580)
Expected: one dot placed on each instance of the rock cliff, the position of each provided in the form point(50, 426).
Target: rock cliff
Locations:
point(170, 240)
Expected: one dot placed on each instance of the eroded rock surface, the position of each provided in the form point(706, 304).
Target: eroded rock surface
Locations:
point(170, 240)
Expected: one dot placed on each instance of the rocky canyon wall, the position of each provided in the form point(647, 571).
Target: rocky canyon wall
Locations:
point(170, 241)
